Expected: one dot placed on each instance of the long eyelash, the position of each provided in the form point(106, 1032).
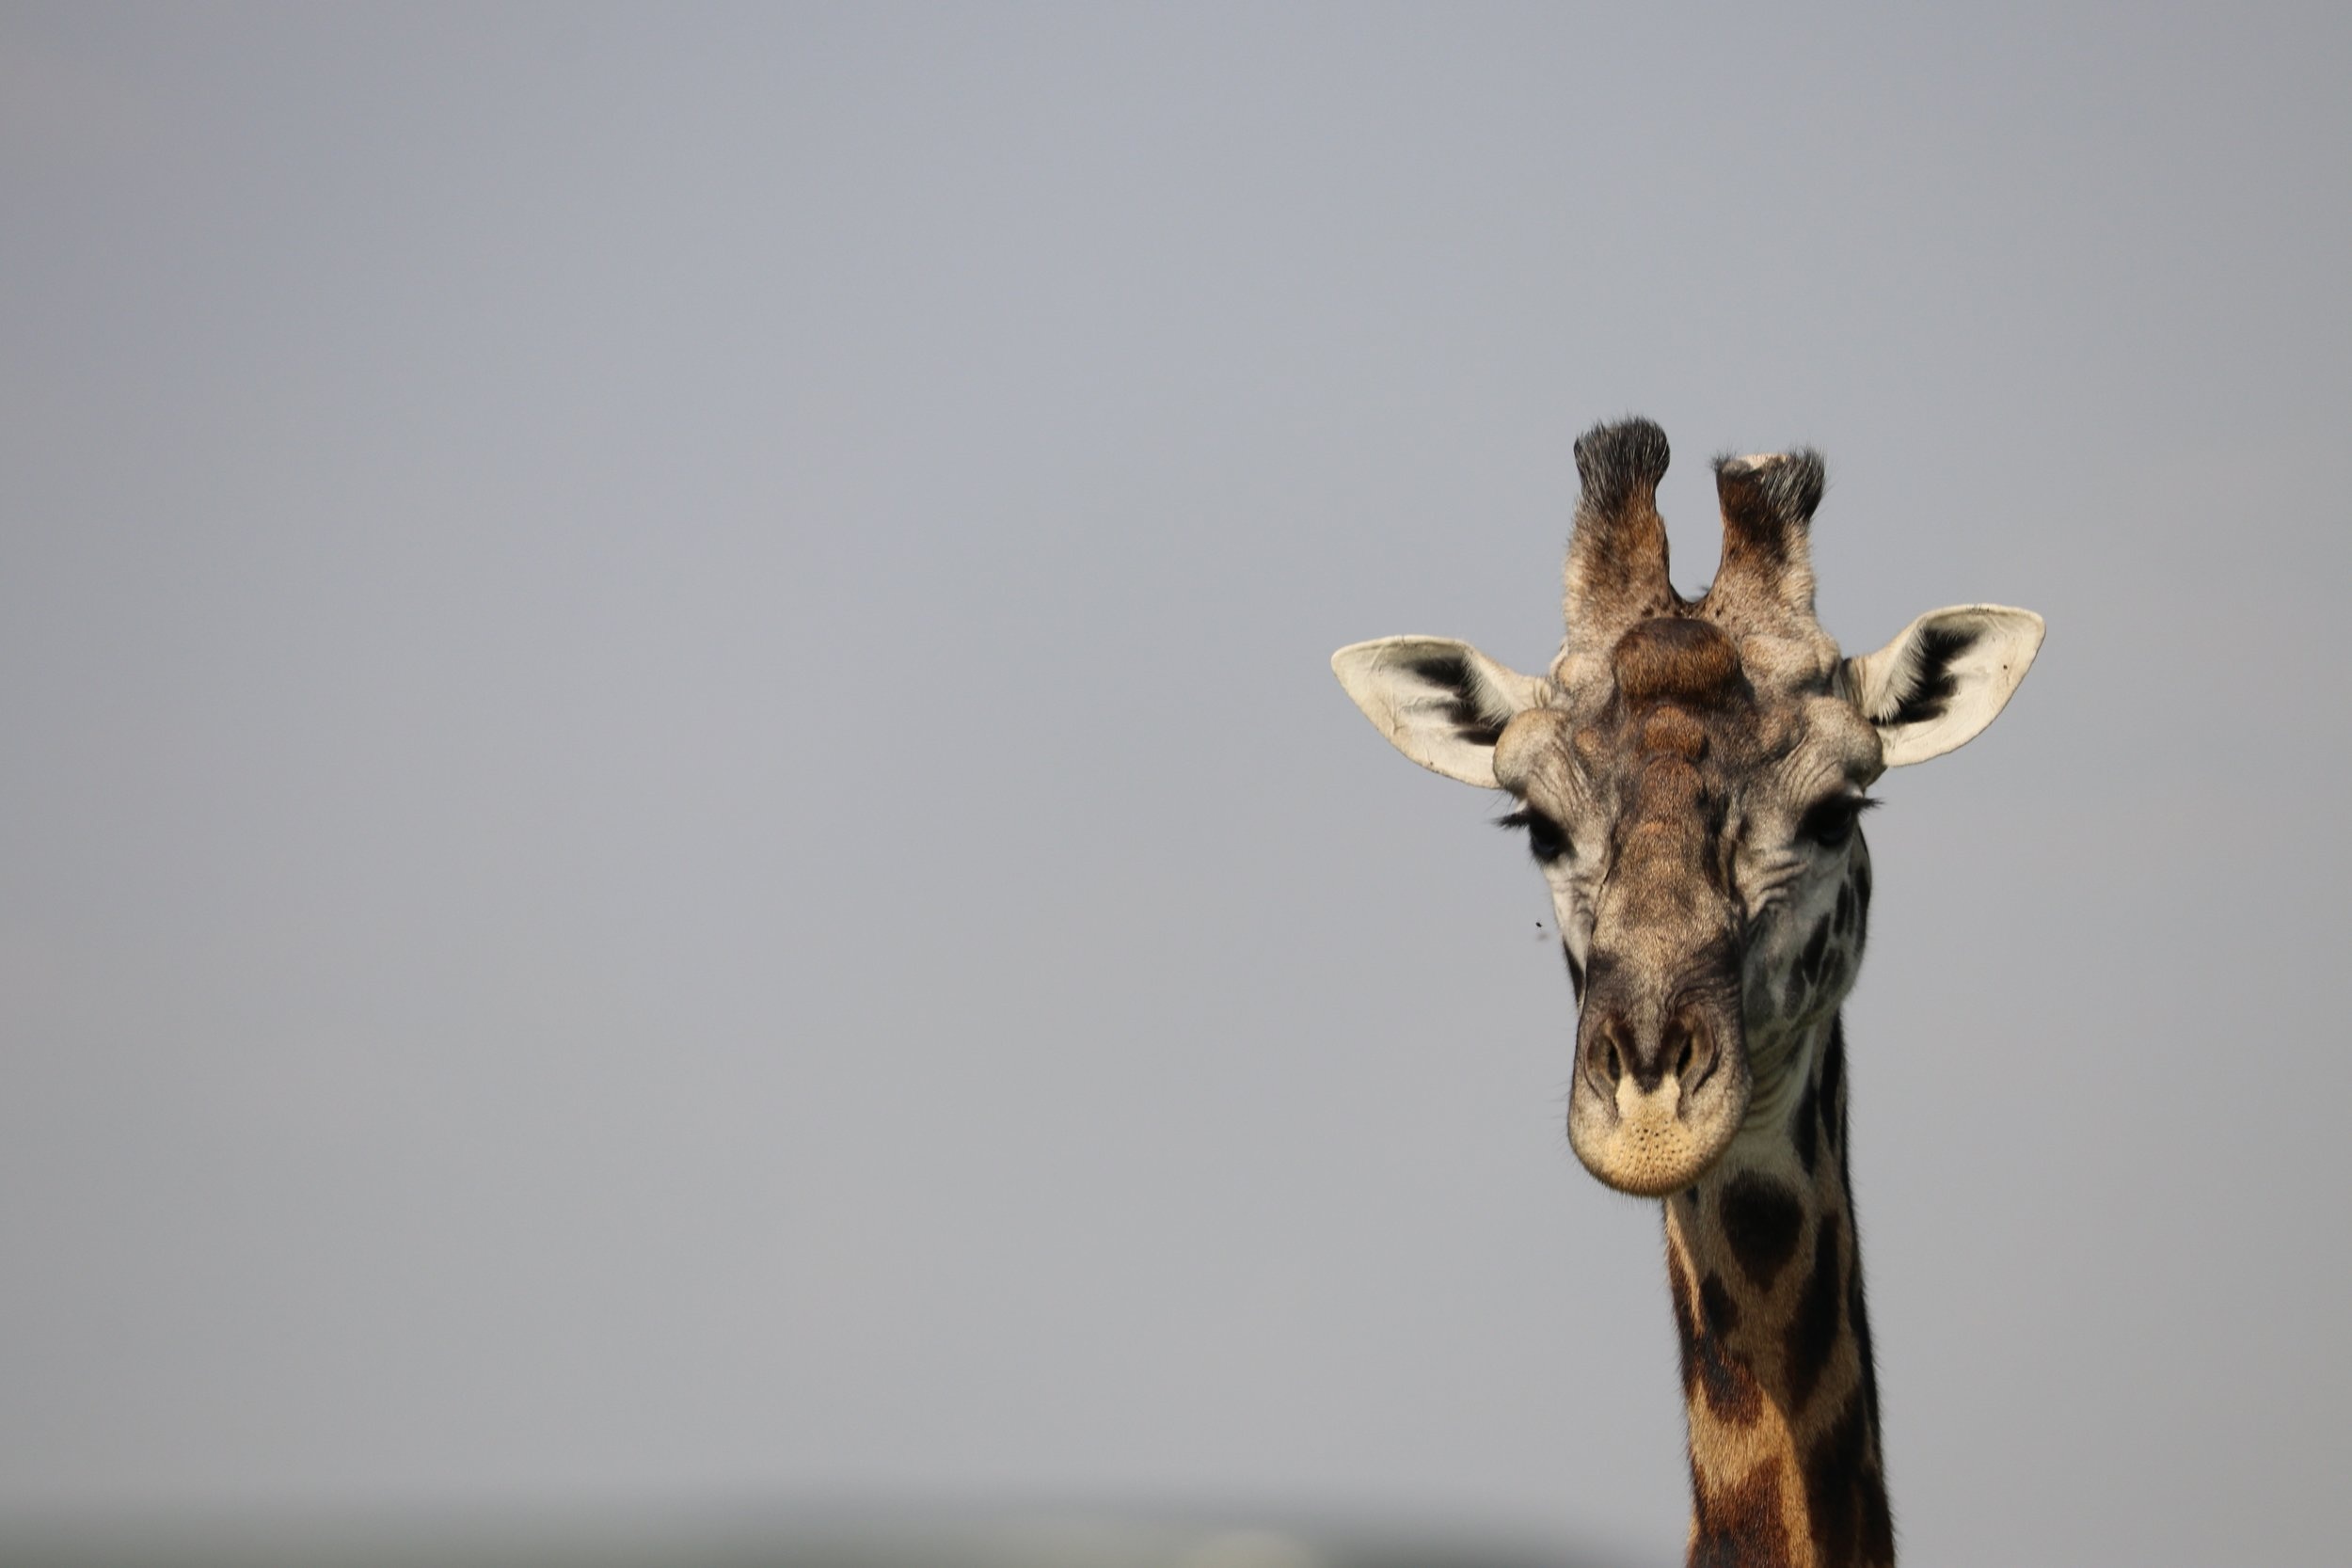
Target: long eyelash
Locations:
point(1829, 822)
point(1540, 829)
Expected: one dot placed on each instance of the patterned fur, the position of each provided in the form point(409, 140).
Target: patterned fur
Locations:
point(1690, 772)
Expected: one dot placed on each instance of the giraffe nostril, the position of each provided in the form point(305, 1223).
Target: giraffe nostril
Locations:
point(1604, 1055)
point(1700, 1056)
point(1682, 1058)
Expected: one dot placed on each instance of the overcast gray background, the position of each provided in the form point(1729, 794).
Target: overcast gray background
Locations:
point(673, 826)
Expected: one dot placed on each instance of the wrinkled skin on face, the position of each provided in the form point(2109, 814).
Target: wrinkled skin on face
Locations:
point(1690, 772)
point(1692, 829)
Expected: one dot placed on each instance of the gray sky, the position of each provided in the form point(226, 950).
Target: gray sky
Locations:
point(673, 824)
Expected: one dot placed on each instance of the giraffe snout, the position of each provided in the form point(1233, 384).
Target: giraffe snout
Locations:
point(1661, 1086)
point(1614, 1048)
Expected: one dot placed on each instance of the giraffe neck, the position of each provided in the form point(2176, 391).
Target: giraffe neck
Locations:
point(1782, 1400)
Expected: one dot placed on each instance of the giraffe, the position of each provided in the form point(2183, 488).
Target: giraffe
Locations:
point(1690, 775)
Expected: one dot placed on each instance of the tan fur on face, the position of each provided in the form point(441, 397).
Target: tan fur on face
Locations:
point(1687, 773)
point(1647, 1146)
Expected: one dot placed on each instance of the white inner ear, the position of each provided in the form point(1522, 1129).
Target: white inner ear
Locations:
point(1440, 702)
point(1947, 676)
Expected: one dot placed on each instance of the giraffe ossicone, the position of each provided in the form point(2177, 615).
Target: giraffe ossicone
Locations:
point(1692, 773)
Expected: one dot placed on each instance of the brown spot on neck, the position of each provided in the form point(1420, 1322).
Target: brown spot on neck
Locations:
point(1845, 1494)
point(1743, 1525)
point(1759, 1220)
point(1766, 1273)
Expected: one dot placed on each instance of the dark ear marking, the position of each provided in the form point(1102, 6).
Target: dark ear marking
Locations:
point(1932, 684)
point(1453, 672)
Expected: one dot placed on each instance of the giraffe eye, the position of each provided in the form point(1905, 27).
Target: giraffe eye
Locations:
point(1830, 822)
point(1546, 839)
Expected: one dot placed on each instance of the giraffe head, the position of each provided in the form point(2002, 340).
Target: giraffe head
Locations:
point(1690, 774)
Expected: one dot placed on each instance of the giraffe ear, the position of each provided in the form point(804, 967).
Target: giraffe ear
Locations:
point(1938, 685)
point(1439, 702)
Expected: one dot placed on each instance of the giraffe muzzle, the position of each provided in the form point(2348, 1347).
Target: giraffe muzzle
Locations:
point(1660, 1090)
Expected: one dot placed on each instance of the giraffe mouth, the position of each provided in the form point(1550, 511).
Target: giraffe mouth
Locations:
point(1651, 1133)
